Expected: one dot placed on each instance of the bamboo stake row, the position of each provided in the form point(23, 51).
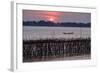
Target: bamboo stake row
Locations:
point(48, 49)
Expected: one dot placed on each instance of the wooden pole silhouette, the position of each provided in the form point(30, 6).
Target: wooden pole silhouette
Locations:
point(37, 50)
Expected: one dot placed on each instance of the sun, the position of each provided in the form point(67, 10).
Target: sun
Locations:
point(51, 19)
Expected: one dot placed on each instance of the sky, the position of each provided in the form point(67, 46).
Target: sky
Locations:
point(36, 15)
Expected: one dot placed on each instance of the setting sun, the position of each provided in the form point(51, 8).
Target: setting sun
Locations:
point(51, 19)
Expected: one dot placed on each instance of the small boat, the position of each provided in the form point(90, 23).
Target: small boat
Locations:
point(68, 33)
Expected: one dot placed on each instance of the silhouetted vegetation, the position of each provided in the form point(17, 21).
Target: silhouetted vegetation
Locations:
point(49, 23)
point(41, 50)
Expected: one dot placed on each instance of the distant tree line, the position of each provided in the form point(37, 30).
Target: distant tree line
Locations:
point(58, 24)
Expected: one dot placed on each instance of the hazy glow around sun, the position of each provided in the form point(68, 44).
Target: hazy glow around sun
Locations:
point(51, 19)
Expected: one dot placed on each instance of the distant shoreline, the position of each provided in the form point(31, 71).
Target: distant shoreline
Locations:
point(43, 23)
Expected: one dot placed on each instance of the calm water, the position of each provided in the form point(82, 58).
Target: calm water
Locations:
point(32, 33)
